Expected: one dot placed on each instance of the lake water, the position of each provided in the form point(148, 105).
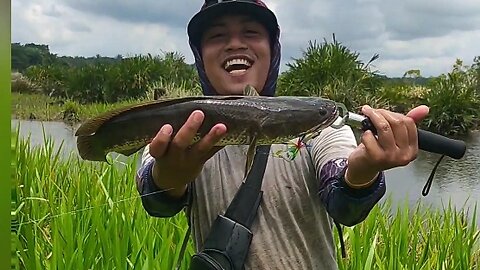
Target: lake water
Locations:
point(457, 181)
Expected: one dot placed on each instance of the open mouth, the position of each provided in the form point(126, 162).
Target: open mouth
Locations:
point(237, 65)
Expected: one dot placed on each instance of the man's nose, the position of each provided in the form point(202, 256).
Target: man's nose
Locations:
point(236, 42)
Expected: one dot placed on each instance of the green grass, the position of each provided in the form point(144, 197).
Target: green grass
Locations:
point(44, 108)
point(413, 238)
point(72, 214)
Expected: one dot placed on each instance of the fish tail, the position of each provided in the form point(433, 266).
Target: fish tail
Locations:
point(88, 149)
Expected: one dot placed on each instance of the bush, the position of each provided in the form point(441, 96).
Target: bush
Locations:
point(71, 111)
point(454, 102)
point(20, 84)
point(50, 79)
point(129, 78)
point(330, 70)
point(402, 98)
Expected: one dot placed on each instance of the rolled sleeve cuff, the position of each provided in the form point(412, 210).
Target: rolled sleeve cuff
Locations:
point(345, 204)
point(156, 201)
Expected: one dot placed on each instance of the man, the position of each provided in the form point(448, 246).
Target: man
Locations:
point(236, 43)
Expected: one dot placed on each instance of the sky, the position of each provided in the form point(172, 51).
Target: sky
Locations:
point(428, 35)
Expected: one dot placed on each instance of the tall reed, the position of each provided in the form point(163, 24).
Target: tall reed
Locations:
point(72, 214)
point(419, 237)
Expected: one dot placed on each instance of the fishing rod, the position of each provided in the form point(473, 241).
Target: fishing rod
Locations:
point(427, 141)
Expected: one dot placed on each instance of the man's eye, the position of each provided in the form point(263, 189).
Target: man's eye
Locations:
point(251, 32)
point(216, 35)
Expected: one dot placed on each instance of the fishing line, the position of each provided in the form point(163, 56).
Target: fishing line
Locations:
point(88, 208)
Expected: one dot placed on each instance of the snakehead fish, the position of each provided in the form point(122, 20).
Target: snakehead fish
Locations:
point(250, 120)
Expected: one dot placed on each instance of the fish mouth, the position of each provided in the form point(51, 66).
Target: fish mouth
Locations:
point(237, 64)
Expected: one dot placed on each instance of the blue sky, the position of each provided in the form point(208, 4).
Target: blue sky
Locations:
point(427, 35)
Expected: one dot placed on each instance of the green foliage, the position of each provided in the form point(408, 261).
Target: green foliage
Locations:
point(330, 70)
point(170, 89)
point(24, 56)
point(475, 73)
point(130, 78)
point(454, 102)
point(31, 54)
point(406, 80)
point(85, 84)
point(71, 111)
point(412, 73)
point(21, 84)
point(402, 97)
point(50, 79)
point(80, 61)
point(45, 108)
point(71, 214)
point(418, 237)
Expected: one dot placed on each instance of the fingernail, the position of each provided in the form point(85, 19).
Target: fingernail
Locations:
point(221, 129)
point(167, 130)
point(366, 108)
point(218, 131)
point(197, 117)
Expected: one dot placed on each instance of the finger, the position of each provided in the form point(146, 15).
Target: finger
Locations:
point(210, 139)
point(399, 128)
point(373, 148)
point(418, 113)
point(158, 146)
point(412, 134)
point(384, 131)
point(187, 132)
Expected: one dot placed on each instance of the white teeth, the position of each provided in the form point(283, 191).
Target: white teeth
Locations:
point(236, 71)
point(237, 61)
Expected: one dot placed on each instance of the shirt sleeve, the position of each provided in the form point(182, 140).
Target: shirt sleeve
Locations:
point(156, 201)
point(344, 204)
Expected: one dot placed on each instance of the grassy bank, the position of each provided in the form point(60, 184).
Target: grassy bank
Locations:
point(37, 106)
point(83, 215)
point(45, 108)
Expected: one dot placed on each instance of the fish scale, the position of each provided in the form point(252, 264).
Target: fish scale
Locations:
point(250, 120)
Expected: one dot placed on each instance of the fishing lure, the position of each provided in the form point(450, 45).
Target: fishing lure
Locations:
point(292, 149)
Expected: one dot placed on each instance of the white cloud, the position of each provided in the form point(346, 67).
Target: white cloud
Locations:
point(74, 32)
point(427, 35)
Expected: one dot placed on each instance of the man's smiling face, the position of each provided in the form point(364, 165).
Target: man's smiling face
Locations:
point(236, 52)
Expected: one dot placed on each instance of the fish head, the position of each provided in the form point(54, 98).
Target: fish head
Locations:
point(299, 116)
point(315, 115)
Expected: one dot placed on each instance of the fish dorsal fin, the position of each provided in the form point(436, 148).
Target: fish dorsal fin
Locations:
point(250, 91)
point(92, 125)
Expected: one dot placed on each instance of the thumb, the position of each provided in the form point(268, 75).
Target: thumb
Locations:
point(418, 113)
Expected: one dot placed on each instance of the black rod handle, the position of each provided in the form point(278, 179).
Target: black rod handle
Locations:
point(431, 142)
point(436, 143)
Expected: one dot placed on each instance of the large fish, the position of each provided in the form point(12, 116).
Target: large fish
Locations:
point(250, 120)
